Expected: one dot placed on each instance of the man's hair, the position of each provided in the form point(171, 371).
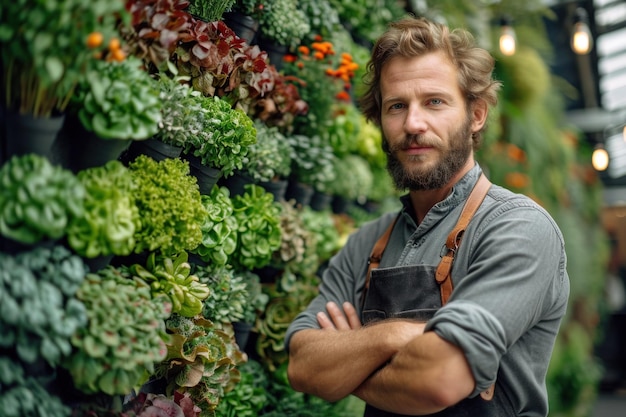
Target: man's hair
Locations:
point(415, 36)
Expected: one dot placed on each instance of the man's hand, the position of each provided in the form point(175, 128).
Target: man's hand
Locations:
point(346, 319)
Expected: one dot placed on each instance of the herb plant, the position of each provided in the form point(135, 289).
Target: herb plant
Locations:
point(270, 157)
point(210, 10)
point(169, 205)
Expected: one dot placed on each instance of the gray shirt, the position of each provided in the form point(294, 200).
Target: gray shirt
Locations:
point(510, 285)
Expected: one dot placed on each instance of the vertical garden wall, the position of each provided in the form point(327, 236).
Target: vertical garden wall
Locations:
point(203, 161)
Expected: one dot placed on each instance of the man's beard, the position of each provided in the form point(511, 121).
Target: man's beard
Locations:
point(452, 160)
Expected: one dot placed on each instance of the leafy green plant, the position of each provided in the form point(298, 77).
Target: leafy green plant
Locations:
point(284, 22)
point(202, 361)
point(16, 388)
point(230, 133)
point(297, 247)
point(322, 16)
point(322, 225)
point(259, 233)
point(270, 157)
point(39, 311)
point(313, 162)
point(169, 205)
point(37, 199)
point(44, 49)
point(257, 299)
point(219, 229)
point(354, 177)
point(210, 10)
point(118, 100)
point(172, 277)
point(367, 19)
point(124, 337)
point(180, 107)
point(248, 397)
point(110, 218)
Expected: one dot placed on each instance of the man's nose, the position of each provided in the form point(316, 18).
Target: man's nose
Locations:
point(415, 122)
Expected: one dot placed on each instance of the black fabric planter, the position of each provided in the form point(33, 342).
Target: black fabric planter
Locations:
point(320, 201)
point(153, 148)
point(236, 183)
point(77, 148)
point(277, 188)
point(244, 26)
point(207, 176)
point(299, 192)
point(26, 134)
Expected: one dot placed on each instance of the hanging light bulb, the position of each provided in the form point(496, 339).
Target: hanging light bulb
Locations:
point(600, 158)
point(624, 133)
point(581, 41)
point(508, 39)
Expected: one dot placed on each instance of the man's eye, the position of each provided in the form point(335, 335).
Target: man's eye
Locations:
point(396, 106)
point(436, 101)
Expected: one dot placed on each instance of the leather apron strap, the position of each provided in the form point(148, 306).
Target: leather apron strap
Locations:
point(474, 201)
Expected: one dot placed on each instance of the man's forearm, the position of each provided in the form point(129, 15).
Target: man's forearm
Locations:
point(427, 376)
point(332, 364)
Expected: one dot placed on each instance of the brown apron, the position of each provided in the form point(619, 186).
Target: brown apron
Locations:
point(417, 292)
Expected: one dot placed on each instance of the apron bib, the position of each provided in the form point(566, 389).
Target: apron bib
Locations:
point(412, 292)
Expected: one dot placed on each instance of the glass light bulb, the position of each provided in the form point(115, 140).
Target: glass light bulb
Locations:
point(507, 40)
point(582, 41)
point(600, 159)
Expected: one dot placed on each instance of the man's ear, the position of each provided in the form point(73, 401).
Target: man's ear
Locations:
point(480, 110)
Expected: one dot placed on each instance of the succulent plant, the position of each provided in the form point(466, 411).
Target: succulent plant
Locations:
point(22, 396)
point(110, 217)
point(270, 157)
point(124, 337)
point(37, 199)
point(248, 397)
point(322, 225)
point(313, 162)
point(257, 299)
point(39, 311)
point(169, 204)
point(297, 247)
point(202, 360)
point(259, 233)
point(228, 294)
point(219, 229)
point(172, 277)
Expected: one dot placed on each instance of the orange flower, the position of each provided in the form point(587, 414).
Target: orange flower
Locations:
point(516, 180)
point(319, 55)
point(318, 38)
point(515, 153)
point(94, 40)
point(304, 50)
point(343, 95)
point(290, 58)
point(300, 64)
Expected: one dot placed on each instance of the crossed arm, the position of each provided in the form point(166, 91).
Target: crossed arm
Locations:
point(393, 365)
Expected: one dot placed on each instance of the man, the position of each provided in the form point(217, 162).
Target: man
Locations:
point(393, 336)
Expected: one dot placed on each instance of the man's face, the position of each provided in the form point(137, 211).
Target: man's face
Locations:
point(425, 122)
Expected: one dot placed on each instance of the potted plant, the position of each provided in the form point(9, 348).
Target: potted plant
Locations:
point(267, 163)
point(353, 181)
point(115, 103)
point(171, 276)
point(201, 361)
point(313, 167)
point(259, 233)
point(44, 50)
point(169, 204)
point(209, 10)
point(37, 200)
point(219, 229)
point(41, 313)
point(110, 218)
point(225, 138)
point(283, 25)
point(243, 18)
point(124, 337)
